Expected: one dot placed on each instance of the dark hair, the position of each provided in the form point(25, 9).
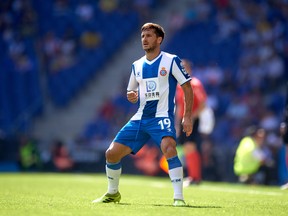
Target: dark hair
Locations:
point(159, 31)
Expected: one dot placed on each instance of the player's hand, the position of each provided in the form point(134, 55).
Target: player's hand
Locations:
point(187, 124)
point(132, 96)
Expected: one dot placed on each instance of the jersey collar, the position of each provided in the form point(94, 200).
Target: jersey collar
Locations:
point(155, 59)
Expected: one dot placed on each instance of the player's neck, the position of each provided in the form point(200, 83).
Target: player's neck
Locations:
point(153, 54)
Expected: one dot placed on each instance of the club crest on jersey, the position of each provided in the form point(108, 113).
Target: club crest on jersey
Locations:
point(163, 71)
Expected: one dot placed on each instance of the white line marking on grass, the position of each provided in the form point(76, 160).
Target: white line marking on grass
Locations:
point(244, 191)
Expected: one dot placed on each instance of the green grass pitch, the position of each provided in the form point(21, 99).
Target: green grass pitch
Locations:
point(71, 194)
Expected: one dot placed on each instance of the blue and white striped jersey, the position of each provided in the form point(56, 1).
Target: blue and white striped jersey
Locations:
point(156, 83)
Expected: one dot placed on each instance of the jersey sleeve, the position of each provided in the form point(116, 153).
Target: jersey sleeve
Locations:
point(132, 84)
point(179, 71)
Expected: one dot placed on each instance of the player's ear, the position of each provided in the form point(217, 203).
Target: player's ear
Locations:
point(159, 40)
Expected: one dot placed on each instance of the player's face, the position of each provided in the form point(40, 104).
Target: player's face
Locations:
point(150, 41)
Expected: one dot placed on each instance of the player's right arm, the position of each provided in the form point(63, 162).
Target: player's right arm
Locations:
point(132, 89)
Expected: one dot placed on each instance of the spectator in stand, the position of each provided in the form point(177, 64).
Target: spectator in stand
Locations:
point(108, 5)
point(143, 7)
point(28, 21)
point(90, 39)
point(85, 11)
point(177, 21)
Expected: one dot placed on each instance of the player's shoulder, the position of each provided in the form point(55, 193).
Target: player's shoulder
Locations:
point(169, 55)
point(139, 61)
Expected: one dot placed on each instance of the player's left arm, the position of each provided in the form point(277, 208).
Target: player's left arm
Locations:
point(183, 79)
point(187, 121)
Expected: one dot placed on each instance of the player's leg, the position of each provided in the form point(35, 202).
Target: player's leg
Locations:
point(193, 163)
point(168, 147)
point(162, 131)
point(114, 154)
point(129, 139)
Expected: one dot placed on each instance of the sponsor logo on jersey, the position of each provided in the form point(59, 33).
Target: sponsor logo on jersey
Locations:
point(163, 71)
point(152, 89)
point(151, 86)
point(152, 96)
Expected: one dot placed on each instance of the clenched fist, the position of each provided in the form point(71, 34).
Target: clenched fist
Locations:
point(132, 96)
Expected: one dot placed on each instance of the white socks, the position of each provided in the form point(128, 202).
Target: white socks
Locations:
point(113, 179)
point(176, 176)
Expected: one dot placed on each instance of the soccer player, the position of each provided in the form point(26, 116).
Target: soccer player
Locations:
point(192, 144)
point(153, 82)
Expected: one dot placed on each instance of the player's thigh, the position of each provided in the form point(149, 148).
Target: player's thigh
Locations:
point(161, 128)
point(132, 136)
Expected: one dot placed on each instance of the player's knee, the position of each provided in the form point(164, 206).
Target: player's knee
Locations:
point(171, 151)
point(110, 156)
point(169, 148)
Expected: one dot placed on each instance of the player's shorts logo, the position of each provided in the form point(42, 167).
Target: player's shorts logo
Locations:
point(151, 86)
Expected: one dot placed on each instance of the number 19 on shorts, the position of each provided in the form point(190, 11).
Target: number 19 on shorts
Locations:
point(164, 123)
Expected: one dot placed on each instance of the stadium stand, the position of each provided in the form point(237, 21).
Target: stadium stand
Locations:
point(64, 41)
point(238, 49)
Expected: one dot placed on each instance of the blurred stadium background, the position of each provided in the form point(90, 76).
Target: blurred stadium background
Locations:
point(64, 67)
